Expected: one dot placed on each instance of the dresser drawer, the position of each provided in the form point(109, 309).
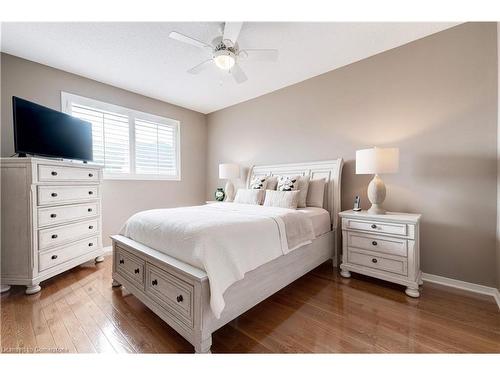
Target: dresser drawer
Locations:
point(66, 233)
point(175, 293)
point(129, 266)
point(64, 173)
point(394, 246)
point(377, 227)
point(64, 194)
point(62, 214)
point(374, 260)
point(59, 255)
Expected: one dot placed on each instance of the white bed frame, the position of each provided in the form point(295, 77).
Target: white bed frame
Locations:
point(182, 296)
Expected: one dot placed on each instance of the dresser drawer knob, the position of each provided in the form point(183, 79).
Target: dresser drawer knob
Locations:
point(374, 260)
point(136, 270)
point(91, 244)
point(374, 243)
point(53, 195)
point(122, 261)
point(91, 192)
point(92, 227)
point(374, 226)
point(53, 215)
point(54, 173)
point(89, 209)
point(54, 236)
point(91, 175)
point(180, 298)
point(53, 257)
point(154, 282)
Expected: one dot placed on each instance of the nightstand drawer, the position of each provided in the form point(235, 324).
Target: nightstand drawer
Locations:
point(373, 260)
point(387, 245)
point(377, 227)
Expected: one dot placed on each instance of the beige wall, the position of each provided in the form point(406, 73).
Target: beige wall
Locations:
point(43, 85)
point(434, 98)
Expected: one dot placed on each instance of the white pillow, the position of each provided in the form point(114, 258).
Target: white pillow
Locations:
point(288, 183)
point(316, 193)
point(249, 196)
point(283, 199)
point(259, 183)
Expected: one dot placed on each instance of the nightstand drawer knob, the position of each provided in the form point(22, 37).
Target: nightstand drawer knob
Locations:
point(53, 215)
point(53, 257)
point(54, 173)
point(122, 261)
point(136, 270)
point(53, 195)
point(54, 236)
point(374, 243)
point(180, 298)
point(374, 260)
point(374, 226)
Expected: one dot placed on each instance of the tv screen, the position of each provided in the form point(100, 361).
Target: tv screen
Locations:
point(42, 131)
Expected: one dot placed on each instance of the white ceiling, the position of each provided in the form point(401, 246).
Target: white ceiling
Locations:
point(140, 57)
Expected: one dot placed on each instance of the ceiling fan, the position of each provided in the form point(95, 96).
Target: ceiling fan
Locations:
point(225, 52)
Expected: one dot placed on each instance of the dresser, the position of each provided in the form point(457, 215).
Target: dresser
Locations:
point(382, 246)
point(51, 219)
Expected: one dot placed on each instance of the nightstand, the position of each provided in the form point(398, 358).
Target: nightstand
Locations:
point(382, 246)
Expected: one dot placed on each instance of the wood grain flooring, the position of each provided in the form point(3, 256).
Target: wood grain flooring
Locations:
point(79, 312)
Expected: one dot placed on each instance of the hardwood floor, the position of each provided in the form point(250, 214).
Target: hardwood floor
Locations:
point(78, 311)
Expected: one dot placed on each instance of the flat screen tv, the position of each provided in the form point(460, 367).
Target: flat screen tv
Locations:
point(42, 131)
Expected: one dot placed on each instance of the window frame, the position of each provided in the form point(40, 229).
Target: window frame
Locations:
point(132, 114)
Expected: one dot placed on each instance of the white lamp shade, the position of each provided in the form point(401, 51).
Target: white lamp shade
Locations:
point(377, 160)
point(229, 171)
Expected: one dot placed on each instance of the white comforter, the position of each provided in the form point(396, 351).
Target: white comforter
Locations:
point(224, 239)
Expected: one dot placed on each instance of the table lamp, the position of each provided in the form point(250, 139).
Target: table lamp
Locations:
point(229, 171)
point(377, 161)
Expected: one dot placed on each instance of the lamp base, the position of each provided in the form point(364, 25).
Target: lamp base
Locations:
point(229, 190)
point(376, 196)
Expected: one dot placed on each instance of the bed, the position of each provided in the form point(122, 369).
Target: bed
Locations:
point(177, 288)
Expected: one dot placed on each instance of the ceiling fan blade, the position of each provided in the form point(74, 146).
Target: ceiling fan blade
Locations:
point(187, 39)
point(232, 31)
point(259, 54)
point(238, 74)
point(202, 66)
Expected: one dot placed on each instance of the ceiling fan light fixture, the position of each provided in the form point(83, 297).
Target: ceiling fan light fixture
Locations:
point(225, 59)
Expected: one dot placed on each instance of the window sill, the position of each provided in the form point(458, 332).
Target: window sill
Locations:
point(140, 177)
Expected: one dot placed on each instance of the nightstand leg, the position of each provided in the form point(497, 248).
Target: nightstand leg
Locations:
point(345, 273)
point(412, 292)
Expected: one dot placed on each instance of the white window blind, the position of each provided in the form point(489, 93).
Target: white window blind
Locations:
point(130, 144)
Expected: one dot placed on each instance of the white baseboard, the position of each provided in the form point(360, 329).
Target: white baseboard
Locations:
point(464, 285)
point(107, 250)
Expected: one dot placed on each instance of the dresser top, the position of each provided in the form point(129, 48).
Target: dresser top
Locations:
point(389, 216)
point(48, 161)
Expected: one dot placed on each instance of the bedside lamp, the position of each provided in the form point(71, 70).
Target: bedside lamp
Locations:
point(377, 161)
point(229, 171)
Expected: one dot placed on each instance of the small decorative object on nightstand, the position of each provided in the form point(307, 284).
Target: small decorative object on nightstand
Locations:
point(384, 246)
point(219, 194)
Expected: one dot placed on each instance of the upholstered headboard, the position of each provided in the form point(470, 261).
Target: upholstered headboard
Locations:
point(331, 170)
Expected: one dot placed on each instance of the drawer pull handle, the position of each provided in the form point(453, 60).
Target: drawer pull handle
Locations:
point(54, 236)
point(53, 257)
point(91, 192)
point(53, 194)
point(180, 298)
point(374, 260)
point(122, 261)
point(89, 209)
point(53, 215)
point(91, 175)
point(374, 243)
point(154, 282)
point(91, 244)
point(136, 270)
point(374, 226)
point(54, 173)
point(91, 227)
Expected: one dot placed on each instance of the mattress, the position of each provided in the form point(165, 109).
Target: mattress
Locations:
point(320, 219)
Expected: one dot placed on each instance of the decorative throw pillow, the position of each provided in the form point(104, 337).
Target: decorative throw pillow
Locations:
point(259, 183)
point(249, 196)
point(288, 183)
point(303, 187)
point(316, 193)
point(283, 199)
point(272, 182)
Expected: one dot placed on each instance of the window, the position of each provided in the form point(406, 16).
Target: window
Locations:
point(130, 144)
